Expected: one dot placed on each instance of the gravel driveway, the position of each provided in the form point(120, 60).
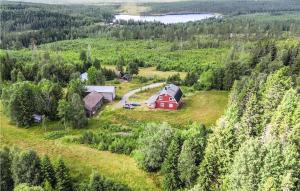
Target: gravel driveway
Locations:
point(132, 92)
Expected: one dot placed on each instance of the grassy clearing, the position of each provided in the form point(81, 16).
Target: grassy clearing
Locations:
point(133, 8)
point(81, 159)
point(204, 107)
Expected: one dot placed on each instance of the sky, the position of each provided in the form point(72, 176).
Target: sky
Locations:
point(88, 1)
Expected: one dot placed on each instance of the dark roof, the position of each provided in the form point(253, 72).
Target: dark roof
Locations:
point(91, 100)
point(173, 91)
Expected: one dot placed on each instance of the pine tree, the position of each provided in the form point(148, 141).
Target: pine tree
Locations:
point(64, 182)
point(245, 173)
point(273, 92)
point(170, 166)
point(273, 164)
point(269, 185)
point(187, 164)
point(48, 171)
point(97, 183)
point(26, 168)
point(282, 119)
point(250, 121)
point(6, 181)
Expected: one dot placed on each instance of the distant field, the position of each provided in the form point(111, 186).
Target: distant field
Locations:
point(204, 107)
point(153, 52)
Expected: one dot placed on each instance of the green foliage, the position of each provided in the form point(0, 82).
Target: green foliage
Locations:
point(117, 142)
point(245, 173)
point(76, 86)
point(96, 182)
point(26, 168)
point(187, 164)
point(48, 171)
point(6, 182)
point(64, 181)
point(26, 187)
point(174, 79)
point(95, 77)
point(133, 68)
point(72, 112)
point(170, 166)
point(191, 78)
point(205, 80)
point(51, 93)
point(19, 101)
point(273, 92)
point(153, 145)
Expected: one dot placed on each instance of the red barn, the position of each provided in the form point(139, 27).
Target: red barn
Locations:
point(168, 98)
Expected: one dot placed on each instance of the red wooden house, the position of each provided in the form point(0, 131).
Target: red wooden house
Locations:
point(168, 98)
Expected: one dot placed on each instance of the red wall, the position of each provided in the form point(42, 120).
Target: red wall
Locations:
point(165, 102)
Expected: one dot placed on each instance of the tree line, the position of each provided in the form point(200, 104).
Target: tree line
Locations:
point(25, 23)
point(229, 7)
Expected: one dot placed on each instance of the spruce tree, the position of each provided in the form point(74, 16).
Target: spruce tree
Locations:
point(26, 168)
point(6, 181)
point(187, 164)
point(48, 171)
point(64, 182)
point(273, 164)
point(97, 183)
point(273, 92)
point(245, 173)
point(269, 185)
point(170, 166)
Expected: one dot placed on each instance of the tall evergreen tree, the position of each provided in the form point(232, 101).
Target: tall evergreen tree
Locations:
point(187, 164)
point(170, 166)
point(6, 180)
point(26, 168)
point(48, 171)
point(245, 173)
point(273, 92)
point(97, 183)
point(64, 182)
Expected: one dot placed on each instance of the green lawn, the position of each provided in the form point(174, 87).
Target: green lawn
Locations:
point(204, 107)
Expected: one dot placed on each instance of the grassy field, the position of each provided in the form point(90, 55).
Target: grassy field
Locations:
point(204, 107)
point(81, 159)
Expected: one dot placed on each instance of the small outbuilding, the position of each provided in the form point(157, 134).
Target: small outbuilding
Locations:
point(37, 118)
point(170, 98)
point(108, 92)
point(92, 102)
point(84, 76)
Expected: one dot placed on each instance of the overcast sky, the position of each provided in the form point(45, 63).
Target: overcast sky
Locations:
point(86, 1)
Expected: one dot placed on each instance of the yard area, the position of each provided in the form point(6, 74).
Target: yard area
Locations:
point(203, 106)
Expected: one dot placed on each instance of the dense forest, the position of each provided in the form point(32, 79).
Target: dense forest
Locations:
point(26, 24)
point(231, 7)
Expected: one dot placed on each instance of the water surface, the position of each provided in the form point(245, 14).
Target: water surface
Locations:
point(166, 19)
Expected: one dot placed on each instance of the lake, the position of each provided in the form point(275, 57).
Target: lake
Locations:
point(166, 19)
